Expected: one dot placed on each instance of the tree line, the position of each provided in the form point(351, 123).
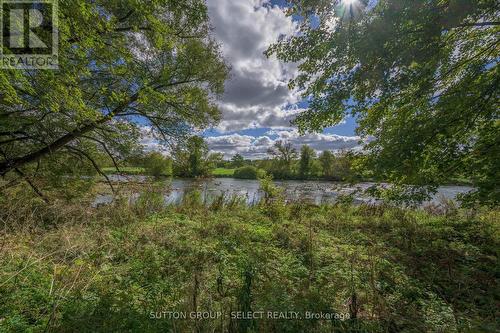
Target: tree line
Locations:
point(193, 159)
point(286, 162)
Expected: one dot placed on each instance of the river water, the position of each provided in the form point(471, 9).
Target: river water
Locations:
point(312, 191)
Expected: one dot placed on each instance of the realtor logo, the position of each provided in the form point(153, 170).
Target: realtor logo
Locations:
point(29, 34)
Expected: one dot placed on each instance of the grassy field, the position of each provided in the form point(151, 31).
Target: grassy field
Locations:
point(122, 268)
point(125, 170)
point(223, 172)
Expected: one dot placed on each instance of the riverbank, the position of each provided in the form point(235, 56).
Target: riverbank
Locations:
point(115, 268)
point(230, 173)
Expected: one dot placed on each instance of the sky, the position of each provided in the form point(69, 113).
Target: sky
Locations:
point(257, 105)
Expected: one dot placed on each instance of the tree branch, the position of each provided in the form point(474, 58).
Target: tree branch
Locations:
point(105, 148)
point(30, 183)
point(7, 166)
point(478, 24)
point(79, 151)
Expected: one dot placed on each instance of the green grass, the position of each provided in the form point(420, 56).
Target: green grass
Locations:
point(125, 170)
point(107, 270)
point(223, 172)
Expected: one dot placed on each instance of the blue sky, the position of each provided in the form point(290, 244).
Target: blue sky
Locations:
point(257, 106)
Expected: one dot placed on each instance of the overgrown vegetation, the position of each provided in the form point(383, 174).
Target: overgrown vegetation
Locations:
point(71, 268)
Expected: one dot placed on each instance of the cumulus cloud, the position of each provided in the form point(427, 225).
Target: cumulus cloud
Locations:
point(257, 94)
point(256, 147)
point(248, 146)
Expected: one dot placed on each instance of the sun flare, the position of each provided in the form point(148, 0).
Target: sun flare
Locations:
point(348, 9)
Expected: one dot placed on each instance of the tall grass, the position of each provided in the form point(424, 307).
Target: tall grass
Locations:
point(69, 267)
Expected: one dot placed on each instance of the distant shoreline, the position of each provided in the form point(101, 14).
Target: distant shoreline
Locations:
point(229, 173)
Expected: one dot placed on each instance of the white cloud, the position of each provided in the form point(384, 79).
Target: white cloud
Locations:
point(256, 147)
point(248, 146)
point(257, 93)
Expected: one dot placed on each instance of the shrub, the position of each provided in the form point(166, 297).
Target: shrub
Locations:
point(248, 172)
point(273, 203)
point(158, 165)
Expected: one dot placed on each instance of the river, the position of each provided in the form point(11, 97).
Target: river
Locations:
point(312, 191)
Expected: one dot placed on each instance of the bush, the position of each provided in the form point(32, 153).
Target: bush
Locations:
point(158, 165)
point(273, 201)
point(249, 172)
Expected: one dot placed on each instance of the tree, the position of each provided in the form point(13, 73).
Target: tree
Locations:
point(421, 77)
point(237, 161)
point(283, 151)
point(157, 165)
point(283, 155)
point(198, 151)
point(326, 160)
point(343, 166)
point(306, 162)
point(214, 160)
point(191, 158)
point(122, 65)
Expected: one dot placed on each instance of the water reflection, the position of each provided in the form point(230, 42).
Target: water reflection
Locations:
point(317, 192)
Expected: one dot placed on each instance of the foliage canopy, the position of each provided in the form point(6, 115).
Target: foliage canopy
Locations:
point(122, 64)
point(421, 77)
